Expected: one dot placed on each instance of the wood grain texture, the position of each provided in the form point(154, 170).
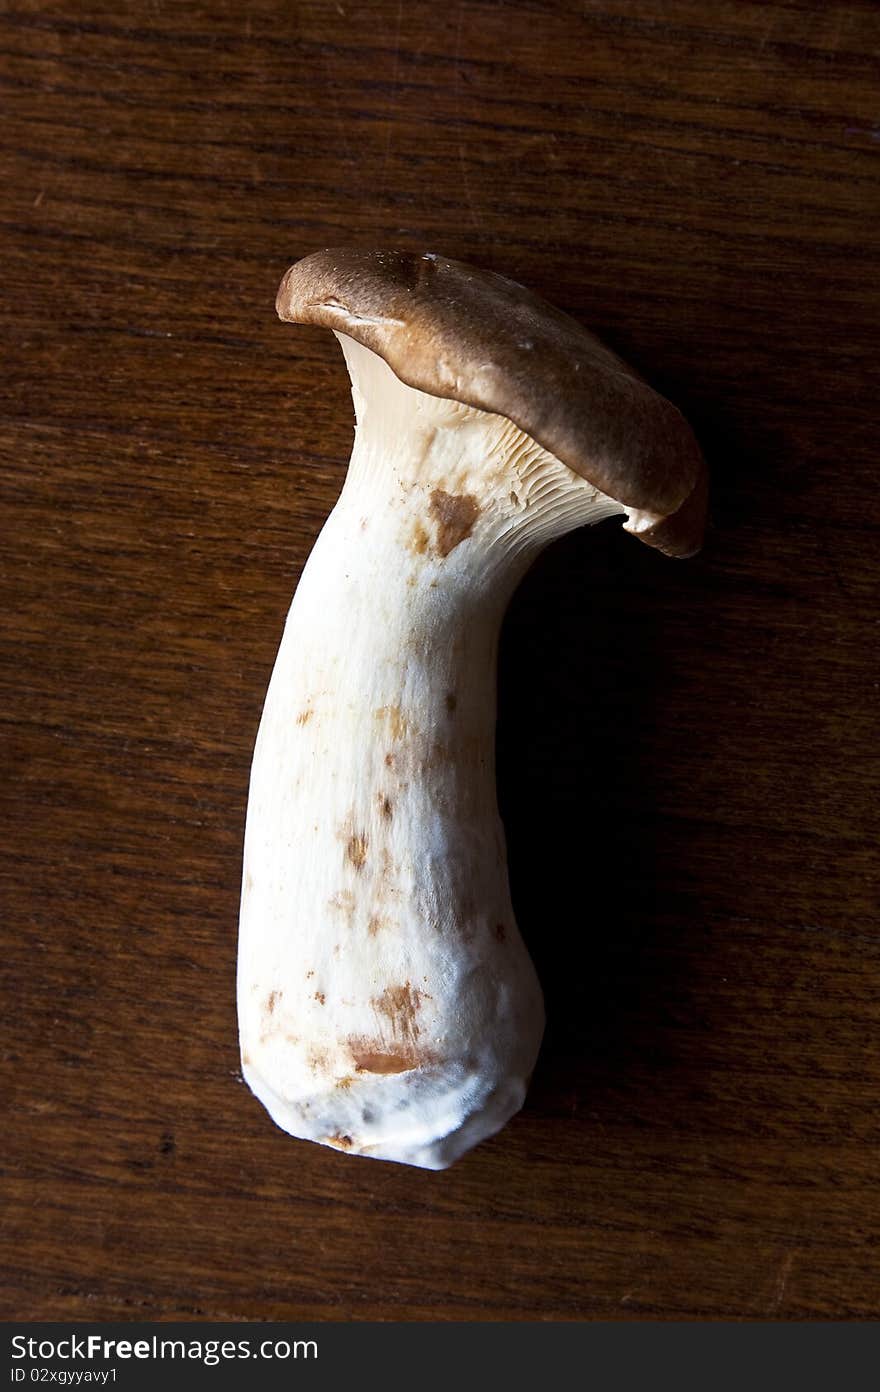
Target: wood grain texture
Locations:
point(688, 751)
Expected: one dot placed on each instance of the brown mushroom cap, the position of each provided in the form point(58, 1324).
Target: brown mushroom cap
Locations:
point(466, 334)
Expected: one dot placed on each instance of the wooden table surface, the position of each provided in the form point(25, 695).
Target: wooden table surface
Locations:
point(688, 750)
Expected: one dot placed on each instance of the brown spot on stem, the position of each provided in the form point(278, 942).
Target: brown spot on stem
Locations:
point(454, 515)
point(344, 1084)
point(246, 1060)
point(398, 725)
point(372, 1056)
point(339, 1142)
point(356, 850)
point(320, 997)
point(389, 760)
point(386, 806)
point(419, 540)
point(375, 923)
point(400, 1006)
point(271, 1001)
point(309, 975)
point(305, 716)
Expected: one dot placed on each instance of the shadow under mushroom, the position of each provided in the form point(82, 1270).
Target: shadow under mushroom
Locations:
point(581, 657)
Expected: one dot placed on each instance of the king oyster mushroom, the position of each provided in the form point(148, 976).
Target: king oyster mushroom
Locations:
point(387, 1004)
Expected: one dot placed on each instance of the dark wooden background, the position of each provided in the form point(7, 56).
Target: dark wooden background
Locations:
point(688, 750)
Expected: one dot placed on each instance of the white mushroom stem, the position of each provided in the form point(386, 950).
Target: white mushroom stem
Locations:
point(387, 1004)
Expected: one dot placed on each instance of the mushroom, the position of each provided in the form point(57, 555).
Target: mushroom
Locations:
point(387, 1004)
